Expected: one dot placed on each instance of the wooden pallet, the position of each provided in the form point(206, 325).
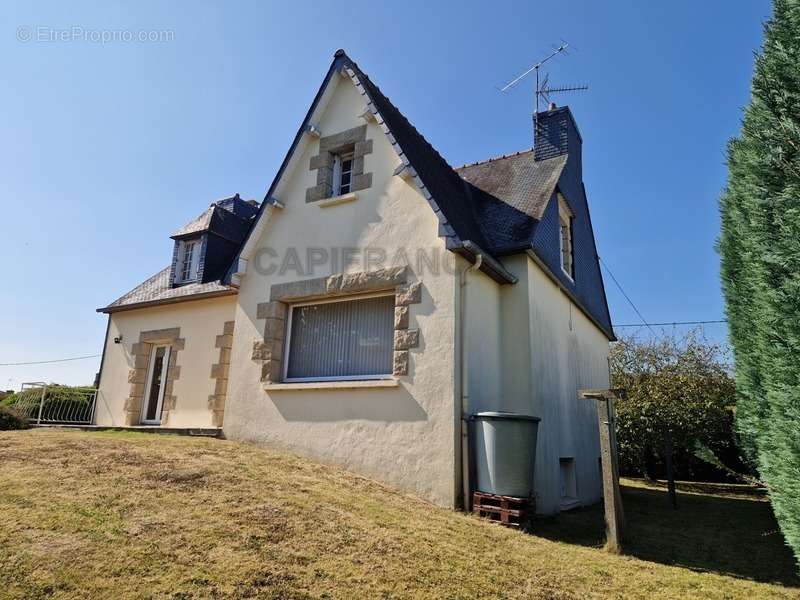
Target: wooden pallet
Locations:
point(506, 510)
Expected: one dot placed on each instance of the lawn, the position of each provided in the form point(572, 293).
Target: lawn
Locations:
point(125, 515)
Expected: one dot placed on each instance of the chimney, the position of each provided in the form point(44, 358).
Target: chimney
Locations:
point(555, 133)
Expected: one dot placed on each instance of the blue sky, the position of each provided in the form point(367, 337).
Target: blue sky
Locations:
point(109, 147)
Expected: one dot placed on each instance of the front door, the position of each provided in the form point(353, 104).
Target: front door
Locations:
point(154, 391)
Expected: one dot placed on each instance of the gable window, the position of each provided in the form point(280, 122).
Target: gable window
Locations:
point(342, 339)
point(190, 260)
point(565, 238)
point(342, 173)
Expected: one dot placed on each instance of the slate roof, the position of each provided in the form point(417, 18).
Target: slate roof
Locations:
point(449, 192)
point(498, 204)
point(199, 225)
point(228, 218)
point(158, 290)
point(510, 195)
point(517, 180)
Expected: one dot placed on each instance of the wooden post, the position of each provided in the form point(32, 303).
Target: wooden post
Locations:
point(612, 498)
point(673, 496)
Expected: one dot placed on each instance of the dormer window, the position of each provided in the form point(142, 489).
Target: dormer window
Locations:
point(189, 262)
point(342, 173)
point(565, 237)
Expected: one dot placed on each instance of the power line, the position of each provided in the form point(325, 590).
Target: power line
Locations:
point(644, 321)
point(674, 323)
point(44, 362)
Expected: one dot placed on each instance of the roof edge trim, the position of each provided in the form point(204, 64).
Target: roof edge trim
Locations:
point(151, 303)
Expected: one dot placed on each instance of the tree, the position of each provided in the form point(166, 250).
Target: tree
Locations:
point(760, 250)
point(678, 388)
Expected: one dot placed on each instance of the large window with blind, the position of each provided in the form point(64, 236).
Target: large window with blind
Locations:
point(342, 339)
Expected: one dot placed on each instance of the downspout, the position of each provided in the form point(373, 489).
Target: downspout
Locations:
point(465, 379)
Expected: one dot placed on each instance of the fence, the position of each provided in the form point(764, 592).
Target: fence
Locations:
point(55, 404)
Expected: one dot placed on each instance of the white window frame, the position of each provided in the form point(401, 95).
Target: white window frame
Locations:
point(194, 263)
point(338, 159)
point(146, 398)
point(565, 220)
point(288, 341)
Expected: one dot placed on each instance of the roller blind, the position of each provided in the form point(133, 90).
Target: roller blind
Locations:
point(352, 338)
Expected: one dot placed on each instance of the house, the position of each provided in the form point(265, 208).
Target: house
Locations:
point(374, 300)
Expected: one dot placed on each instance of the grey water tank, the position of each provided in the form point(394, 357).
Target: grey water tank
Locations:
point(505, 453)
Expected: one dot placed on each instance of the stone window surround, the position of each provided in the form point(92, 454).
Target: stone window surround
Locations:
point(352, 140)
point(269, 350)
point(137, 376)
point(219, 372)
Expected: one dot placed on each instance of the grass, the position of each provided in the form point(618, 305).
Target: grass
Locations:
point(123, 515)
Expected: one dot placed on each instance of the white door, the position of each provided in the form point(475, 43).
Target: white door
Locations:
point(154, 391)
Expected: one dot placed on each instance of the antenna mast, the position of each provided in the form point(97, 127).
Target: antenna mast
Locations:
point(542, 88)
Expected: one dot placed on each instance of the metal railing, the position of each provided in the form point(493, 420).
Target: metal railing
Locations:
point(54, 404)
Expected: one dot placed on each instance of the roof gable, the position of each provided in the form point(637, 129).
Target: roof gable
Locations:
point(488, 209)
point(449, 196)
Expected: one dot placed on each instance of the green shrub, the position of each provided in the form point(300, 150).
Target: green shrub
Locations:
point(677, 387)
point(11, 418)
point(61, 403)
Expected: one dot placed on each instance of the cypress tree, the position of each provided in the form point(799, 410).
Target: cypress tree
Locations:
point(760, 250)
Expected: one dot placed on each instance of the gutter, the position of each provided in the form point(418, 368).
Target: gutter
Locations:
point(491, 266)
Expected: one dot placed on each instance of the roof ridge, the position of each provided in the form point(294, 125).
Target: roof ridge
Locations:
point(494, 158)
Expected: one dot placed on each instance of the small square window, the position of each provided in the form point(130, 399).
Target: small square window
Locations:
point(342, 173)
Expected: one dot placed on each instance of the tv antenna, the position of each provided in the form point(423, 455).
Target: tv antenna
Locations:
point(543, 89)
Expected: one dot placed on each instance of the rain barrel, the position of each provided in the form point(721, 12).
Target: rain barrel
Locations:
point(505, 453)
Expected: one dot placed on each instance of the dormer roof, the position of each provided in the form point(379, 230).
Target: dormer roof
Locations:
point(222, 228)
point(228, 218)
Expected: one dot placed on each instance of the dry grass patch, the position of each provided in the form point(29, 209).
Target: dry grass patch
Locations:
point(135, 515)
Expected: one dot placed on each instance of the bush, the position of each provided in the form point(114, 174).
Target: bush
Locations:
point(11, 418)
point(678, 387)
